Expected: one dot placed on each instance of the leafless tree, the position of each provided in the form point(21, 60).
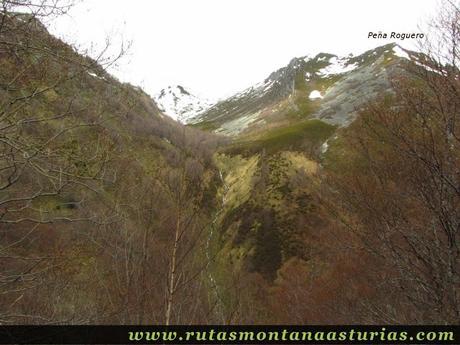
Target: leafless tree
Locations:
point(46, 170)
point(402, 196)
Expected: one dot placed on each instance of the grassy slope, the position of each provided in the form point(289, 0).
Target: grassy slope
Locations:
point(258, 229)
point(267, 196)
point(311, 133)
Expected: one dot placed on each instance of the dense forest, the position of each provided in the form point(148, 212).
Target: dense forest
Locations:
point(113, 213)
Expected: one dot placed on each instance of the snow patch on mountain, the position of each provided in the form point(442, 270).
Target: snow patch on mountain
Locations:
point(180, 103)
point(337, 66)
point(315, 94)
point(400, 52)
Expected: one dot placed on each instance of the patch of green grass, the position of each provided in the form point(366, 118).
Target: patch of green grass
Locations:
point(309, 133)
point(205, 125)
point(323, 84)
point(55, 206)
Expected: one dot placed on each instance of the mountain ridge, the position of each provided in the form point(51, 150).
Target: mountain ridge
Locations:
point(326, 86)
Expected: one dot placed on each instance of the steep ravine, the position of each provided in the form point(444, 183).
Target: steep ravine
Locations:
point(209, 251)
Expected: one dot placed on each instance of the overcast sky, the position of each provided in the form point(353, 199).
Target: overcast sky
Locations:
point(218, 47)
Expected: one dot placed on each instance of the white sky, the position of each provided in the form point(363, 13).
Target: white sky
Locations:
point(218, 47)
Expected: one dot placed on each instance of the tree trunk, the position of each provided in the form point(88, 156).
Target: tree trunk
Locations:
point(172, 274)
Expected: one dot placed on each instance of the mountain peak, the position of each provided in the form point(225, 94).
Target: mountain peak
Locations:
point(324, 86)
point(180, 103)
